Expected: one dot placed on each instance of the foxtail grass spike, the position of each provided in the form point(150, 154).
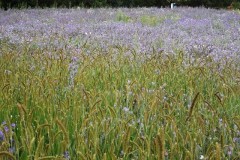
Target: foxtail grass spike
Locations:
point(192, 106)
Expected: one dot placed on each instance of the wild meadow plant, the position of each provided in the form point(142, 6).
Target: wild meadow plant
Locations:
point(69, 97)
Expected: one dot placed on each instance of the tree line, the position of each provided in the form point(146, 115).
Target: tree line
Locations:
point(113, 3)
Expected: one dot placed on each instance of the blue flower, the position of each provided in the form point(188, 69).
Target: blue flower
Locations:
point(66, 155)
point(12, 149)
point(13, 125)
point(1, 136)
point(6, 128)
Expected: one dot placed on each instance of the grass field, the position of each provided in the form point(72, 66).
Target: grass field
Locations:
point(143, 83)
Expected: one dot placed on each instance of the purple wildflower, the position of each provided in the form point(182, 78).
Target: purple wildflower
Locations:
point(73, 69)
point(12, 149)
point(202, 31)
point(6, 129)
point(229, 150)
point(66, 155)
point(13, 125)
point(236, 140)
point(1, 136)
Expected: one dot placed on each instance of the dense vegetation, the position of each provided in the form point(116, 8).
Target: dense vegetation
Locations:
point(108, 84)
point(114, 3)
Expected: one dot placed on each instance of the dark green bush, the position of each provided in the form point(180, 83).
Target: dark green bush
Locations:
point(115, 3)
point(236, 5)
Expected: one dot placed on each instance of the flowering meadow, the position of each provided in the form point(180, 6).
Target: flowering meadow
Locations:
point(123, 83)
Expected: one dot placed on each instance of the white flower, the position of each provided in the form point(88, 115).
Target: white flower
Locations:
point(153, 83)
point(201, 157)
point(130, 93)
point(7, 72)
point(125, 109)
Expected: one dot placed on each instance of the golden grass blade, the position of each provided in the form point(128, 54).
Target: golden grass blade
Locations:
point(7, 154)
point(63, 130)
point(219, 98)
point(39, 147)
point(192, 106)
point(48, 157)
point(160, 145)
point(218, 152)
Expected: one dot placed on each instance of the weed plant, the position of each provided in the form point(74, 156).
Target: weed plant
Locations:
point(122, 17)
point(117, 105)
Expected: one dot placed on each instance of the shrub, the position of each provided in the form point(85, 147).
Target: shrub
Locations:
point(150, 20)
point(236, 5)
point(122, 17)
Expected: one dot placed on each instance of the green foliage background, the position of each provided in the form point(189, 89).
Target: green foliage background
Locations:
point(112, 3)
